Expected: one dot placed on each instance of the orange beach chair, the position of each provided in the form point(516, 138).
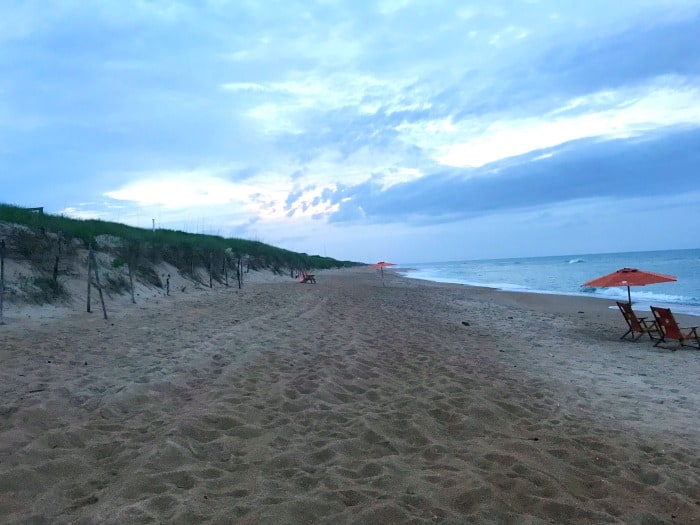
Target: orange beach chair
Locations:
point(307, 277)
point(638, 326)
point(669, 329)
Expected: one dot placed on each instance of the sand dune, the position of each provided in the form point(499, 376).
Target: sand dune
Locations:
point(346, 402)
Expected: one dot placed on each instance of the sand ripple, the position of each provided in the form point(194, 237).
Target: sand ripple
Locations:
point(346, 402)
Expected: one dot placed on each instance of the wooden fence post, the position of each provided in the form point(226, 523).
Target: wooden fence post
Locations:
point(2, 277)
point(98, 285)
point(58, 257)
point(131, 280)
point(89, 271)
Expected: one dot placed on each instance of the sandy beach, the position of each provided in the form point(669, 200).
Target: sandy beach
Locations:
point(349, 401)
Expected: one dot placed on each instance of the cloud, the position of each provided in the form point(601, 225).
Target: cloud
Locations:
point(296, 105)
point(665, 102)
point(265, 195)
point(176, 190)
point(82, 213)
point(346, 117)
point(661, 45)
point(621, 168)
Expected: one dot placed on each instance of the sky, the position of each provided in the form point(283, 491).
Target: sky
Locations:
point(397, 130)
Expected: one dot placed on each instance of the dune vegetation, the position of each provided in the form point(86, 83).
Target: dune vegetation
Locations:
point(50, 246)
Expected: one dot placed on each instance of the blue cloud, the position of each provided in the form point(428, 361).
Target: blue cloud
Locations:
point(625, 58)
point(586, 169)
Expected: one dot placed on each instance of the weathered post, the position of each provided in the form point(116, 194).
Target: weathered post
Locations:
point(2, 277)
point(239, 272)
point(131, 280)
point(89, 271)
point(57, 258)
point(98, 285)
point(131, 252)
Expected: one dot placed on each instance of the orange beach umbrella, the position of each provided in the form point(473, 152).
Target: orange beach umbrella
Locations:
point(630, 277)
point(381, 265)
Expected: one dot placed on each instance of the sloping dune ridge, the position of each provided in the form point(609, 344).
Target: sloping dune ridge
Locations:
point(354, 400)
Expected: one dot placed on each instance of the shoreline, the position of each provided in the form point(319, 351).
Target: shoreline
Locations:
point(679, 308)
point(683, 317)
point(349, 401)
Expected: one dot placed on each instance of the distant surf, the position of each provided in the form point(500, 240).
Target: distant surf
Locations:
point(565, 275)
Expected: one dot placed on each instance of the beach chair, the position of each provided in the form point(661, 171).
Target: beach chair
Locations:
point(307, 277)
point(638, 326)
point(669, 329)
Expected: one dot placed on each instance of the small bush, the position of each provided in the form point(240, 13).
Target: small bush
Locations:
point(29, 245)
point(41, 290)
point(117, 284)
point(149, 275)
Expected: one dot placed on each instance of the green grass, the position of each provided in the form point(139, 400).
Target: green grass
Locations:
point(181, 249)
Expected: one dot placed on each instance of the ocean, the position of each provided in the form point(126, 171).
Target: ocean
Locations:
point(564, 275)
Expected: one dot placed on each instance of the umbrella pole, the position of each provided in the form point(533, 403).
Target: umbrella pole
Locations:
point(629, 295)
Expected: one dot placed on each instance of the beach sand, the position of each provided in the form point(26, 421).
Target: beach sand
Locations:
point(349, 401)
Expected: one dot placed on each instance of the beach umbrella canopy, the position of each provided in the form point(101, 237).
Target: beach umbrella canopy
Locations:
point(381, 265)
point(630, 277)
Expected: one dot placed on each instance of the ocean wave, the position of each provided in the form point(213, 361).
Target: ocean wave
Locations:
point(435, 277)
point(563, 275)
point(639, 295)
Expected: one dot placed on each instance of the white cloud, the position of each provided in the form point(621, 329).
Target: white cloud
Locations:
point(284, 106)
point(331, 169)
point(609, 114)
point(263, 196)
point(399, 175)
point(508, 35)
point(176, 190)
point(466, 13)
point(389, 7)
point(79, 213)
point(244, 86)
